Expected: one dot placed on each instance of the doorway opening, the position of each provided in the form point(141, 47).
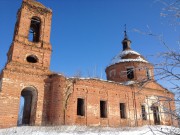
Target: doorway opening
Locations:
point(155, 110)
point(27, 108)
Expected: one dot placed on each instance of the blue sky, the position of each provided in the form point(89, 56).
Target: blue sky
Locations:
point(87, 34)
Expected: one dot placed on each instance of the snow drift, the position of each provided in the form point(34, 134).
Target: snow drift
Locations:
point(84, 130)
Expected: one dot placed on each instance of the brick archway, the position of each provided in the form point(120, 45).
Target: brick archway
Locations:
point(28, 105)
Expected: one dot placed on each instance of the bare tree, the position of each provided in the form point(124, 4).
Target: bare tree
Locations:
point(171, 10)
point(169, 68)
point(78, 74)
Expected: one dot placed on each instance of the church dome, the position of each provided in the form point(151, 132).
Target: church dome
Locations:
point(129, 65)
point(127, 56)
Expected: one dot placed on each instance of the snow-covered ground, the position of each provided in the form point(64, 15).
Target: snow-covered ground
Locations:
point(83, 130)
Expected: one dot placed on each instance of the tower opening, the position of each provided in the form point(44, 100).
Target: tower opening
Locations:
point(34, 32)
point(125, 46)
point(32, 59)
point(27, 109)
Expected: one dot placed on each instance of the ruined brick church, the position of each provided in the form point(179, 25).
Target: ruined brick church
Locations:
point(129, 97)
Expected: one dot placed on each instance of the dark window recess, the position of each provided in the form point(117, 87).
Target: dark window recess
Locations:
point(34, 31)
point(130, 73)
point(148, 73)
point(125, 46)
point(32, 59)
point(80, 107)
point(103, 109)
point(122, 110)
point(143, 110)
point(155, 110)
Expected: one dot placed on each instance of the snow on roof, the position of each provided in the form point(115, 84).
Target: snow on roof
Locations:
point(125, 52)
point(89, 78)
point(121, 83)
point(129, 82)
point(118, 58)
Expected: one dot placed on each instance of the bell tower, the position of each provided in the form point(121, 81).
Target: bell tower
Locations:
point(27, 68)
point(31, 48)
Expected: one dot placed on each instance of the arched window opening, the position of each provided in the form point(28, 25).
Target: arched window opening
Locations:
point(143, 112)
point(34, 32)
point(112, 73)
point(130, 73)
point(125, 45)
point(32, 59)
point(27, 107)
point(148, 73)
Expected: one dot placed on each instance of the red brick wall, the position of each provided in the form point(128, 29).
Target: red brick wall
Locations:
point(92, 91)
point(57, 101)
point(12, 85)
point(58, 91)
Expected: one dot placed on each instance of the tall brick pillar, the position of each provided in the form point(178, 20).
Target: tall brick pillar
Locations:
point(27, 66)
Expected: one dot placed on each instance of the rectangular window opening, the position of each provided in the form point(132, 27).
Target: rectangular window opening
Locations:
point(130, 73)
point(103, 109)
point(122, 110)
point(148, 73)
point(143, 110)
point(80, 107)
